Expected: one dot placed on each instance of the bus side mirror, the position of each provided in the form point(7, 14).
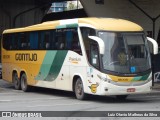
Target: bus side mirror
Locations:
point(100, 43)
point(153, 45)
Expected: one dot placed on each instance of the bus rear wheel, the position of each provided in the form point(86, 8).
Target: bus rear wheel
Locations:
point(79, 90)
point(24, 84)
point(16, 81)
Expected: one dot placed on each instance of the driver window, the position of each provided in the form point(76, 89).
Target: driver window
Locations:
point(91, 46)
point(94, 55)
point(85, 31)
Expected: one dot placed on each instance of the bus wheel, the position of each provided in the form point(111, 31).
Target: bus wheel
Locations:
point(79, 90)
point(24, 85)
point(121, 97)
point(16, 81)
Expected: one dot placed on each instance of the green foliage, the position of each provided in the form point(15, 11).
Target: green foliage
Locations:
point(71, 6)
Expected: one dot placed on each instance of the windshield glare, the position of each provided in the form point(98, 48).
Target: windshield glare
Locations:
point(125, 53)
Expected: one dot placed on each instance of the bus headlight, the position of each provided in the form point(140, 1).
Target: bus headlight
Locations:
point(104, 78)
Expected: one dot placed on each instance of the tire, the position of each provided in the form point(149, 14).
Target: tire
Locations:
point(25, 87)
point(79, 90)
point(121, 97)
point(16, 81)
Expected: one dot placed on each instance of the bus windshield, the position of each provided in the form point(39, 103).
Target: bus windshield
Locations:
point(125, 53)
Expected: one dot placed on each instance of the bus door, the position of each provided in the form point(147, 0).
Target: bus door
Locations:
point(93, 70)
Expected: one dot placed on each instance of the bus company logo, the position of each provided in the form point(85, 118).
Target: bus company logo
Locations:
point(74, 60)
point(93, 87)
point(26, 57)
point(6, 114)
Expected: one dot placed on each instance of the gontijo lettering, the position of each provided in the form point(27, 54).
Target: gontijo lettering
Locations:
point(26, 57)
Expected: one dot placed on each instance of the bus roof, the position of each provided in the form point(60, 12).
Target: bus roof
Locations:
point(111, 24)
point(108, 24)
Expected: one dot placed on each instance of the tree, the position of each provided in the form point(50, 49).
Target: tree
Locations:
point(71, 6)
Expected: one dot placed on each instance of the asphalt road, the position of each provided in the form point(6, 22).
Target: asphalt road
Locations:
point(40, 99)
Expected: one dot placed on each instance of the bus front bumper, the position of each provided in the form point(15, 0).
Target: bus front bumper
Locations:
point(111, 89)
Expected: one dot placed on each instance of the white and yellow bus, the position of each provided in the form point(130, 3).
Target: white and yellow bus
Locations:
point(99, 56)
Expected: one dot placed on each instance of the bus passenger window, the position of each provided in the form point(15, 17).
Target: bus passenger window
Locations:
point(6, 39)
point(67, 39)
point(60, 44)
point(23, 41)
point(16, 43)
point(46, 41)
point(60, 40)
point(69, 36)
point(75, 44)
point(33, 42)
point(52, 40)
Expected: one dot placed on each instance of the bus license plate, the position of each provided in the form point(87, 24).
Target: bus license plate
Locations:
point(131, 90)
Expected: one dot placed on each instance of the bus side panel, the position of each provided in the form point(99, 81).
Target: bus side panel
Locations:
point(6, 74)
point(71, 66)
point(53, 69)
point(78, 67)
point(22, 61)
point(7, 65)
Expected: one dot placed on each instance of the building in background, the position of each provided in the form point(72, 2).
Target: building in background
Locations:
point(65, 6)
point(58, 7)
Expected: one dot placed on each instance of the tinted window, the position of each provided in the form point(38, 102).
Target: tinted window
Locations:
point(68, 39)
point(24, 41)
point(85, 33)
point(33, 41)
point(59, 39)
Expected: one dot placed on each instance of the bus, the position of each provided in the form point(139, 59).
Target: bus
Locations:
point(98, 56)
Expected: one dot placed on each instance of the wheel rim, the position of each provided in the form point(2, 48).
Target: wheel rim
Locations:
point(79, 88)
point(23, 82)
point(16, 81)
